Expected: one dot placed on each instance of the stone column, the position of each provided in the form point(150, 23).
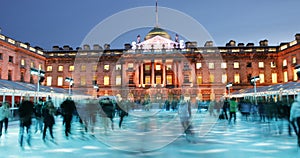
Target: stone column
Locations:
point(142, 74)
point(164, 73)
point(175, 73)
point(124, 75)
point(152, 73)
point(136, 75)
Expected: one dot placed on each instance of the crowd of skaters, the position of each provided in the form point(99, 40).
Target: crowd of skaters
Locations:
point(44, 113)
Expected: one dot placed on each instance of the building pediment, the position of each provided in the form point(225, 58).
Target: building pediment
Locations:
point(157, 42)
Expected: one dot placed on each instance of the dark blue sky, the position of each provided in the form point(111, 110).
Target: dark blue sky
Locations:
point(67, 22)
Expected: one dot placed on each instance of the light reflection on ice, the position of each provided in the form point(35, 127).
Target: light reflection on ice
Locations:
point(66, 150)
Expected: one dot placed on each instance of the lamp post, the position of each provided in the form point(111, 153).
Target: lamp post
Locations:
point(40, 74)
point(228, 87)
point(253, 82)
point(96, 87)
point(70, 80)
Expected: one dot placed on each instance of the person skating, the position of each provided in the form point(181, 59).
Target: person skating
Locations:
point(48, 113)
point(68, 108)
point(25, 113)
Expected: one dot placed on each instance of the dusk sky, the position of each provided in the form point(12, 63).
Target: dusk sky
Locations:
point(67, 22)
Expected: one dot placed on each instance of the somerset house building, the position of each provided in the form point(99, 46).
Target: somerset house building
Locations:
point(155, 67)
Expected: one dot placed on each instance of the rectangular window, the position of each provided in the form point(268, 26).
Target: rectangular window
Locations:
point(23, 62)
point(284, 63)
point(130, 65)
point(106, 80)
point(71, 68)
point(158, 79)
point(236, 78)
point(83, 68)
point(118, 80)
point(274, 77)
point(49, 68)
point(40, 67)
point(211, 65)
point(285, 76)
point(60, 68)
point(223, 65)
point(1, 56)
point(9, 75)
point(157, 67)
point(211, 78)
point(198, 66)
point(147, 79)
point(261, 65)
point(11, 59)
point(273, 64)
point(224, 78)
point(261, 78)
point(60, 81)
point(249, 64)
point(106, 67)
point(236, 65)
point(118, 67)
point(22, 77)
point(295, 75)
point(199, 79)
point(169, 80)
point(32, 64)
point(94, 68)
point(147, 67)
point(294, 60)
point(169, 67)
point(82, 80)
point(49, 81)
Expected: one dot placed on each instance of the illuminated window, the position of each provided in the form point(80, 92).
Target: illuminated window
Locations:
point(106, 67)
point(211, 65)
point(236, 78)
point(273, 64)
point(261, 64)
point(147, 80)
point(49, 81)
point(130, 65)
point(106, 80)
point(49, 68)
point(198, 65)
point(83, 68)
point(223, 65)
point(211, 78)
point(224, 78)
point(95, 78)
point(284, 62)
point(31, 64)
point(295, 75)
point(94, 68)
point(261, 78)
point(40, 67)
point(71, 68)
point(169, 80)
point(285, 76)
point(236, 65)
point(157, 67)
point(274, 77)
point(169, 67)
point(118, 67)
point(60, 68)
point(60, 81)
point(147, 67)
point(82, 80)
point(118, 80)
point(199, 79)
point(22, 62)
point(158, 79)
point(294, 60)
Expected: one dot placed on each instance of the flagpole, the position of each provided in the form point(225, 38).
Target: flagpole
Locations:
point(156, 13)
